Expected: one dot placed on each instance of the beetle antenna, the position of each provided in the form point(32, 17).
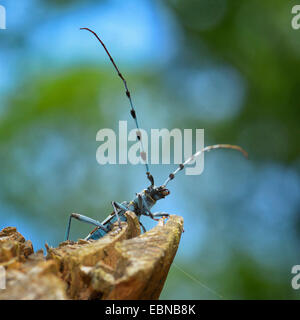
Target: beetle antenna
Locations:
point(132, 109)
point(192, 158)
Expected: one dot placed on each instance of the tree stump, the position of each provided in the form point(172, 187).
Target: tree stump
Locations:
point(124, 264)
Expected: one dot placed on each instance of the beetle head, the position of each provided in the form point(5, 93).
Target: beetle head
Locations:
point(159, 192)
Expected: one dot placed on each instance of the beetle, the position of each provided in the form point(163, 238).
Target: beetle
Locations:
point(146, 199)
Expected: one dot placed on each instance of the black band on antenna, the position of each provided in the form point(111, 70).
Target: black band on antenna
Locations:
point(132, 110)
point(190, 159)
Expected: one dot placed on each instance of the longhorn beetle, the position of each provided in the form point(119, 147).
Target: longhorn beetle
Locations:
point(145, 200)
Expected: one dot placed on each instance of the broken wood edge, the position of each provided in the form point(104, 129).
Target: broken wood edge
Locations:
point(124, 264)
point(28, 276)
point(143, 263)
point(72, 258)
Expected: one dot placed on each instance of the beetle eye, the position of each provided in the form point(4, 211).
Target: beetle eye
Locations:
point(165, 192)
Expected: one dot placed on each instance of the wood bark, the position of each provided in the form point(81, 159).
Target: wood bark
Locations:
point(124, 264)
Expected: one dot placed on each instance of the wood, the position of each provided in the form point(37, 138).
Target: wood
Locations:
point(122, 265)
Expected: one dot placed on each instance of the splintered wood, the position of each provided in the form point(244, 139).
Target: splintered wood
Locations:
point(122, 265)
